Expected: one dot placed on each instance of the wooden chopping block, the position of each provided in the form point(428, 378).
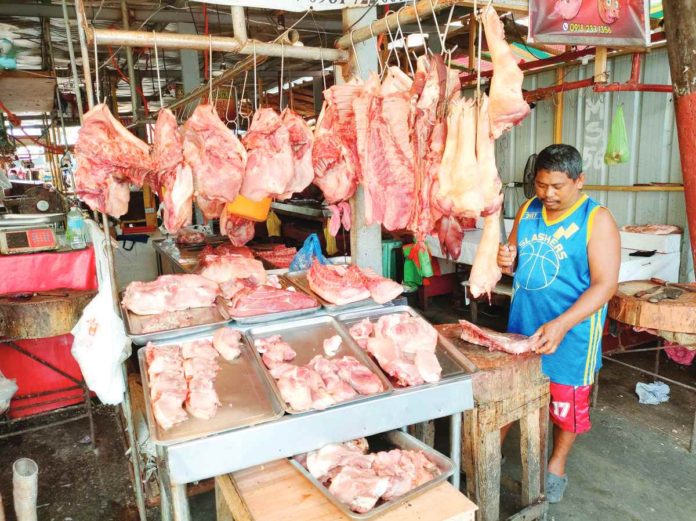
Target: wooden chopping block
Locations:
point(498, 375)
point(42, 315)
point(667, 315)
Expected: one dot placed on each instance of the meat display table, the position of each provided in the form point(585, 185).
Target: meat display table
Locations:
point(240, 449)
point(506, 388)
point(278, 492)
point(171, 259)
point(674, 319)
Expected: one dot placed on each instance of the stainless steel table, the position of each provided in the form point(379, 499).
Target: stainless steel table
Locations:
point(223, 453)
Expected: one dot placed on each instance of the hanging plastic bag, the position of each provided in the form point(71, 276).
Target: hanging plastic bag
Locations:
point(8, 388)
point(273, 224)
point(617, 145)
point(310, 249)
point(100, 347)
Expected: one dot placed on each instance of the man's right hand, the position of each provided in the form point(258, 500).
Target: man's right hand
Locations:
point(507, 254)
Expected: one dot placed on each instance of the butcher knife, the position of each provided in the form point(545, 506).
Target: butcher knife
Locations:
point(684, 287)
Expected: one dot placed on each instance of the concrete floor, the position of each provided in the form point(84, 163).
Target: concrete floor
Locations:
point(633, 465)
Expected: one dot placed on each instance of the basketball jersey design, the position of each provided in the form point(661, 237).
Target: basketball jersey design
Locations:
point(553, 270)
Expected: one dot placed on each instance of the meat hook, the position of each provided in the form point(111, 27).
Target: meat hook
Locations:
point(391, 38)
point(355, 54)
point(280, 83)
point(420, 27)
point(403, 40)
point(379, 58)
point(210, 69)
point(159, 83)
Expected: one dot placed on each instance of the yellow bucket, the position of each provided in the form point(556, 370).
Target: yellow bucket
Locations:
point(253, 210)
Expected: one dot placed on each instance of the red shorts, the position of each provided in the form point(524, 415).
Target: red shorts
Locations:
point(570, 407)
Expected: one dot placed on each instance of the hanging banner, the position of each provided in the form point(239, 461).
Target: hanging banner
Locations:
point(606, 23)
point(302, 5)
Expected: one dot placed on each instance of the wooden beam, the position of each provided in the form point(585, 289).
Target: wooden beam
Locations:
point(600, 65)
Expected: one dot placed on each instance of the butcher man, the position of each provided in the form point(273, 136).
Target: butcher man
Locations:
point(564, 250)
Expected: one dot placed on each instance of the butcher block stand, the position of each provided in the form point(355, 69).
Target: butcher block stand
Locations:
point(673, 319)
point(276, 491)
point(506, 388)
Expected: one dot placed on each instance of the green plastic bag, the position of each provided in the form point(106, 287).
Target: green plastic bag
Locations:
point(617, 145)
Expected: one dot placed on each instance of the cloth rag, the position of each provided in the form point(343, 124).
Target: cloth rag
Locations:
point(652, 394)
point(680, 354)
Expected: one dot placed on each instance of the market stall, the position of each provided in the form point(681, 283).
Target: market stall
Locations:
point(291, 153)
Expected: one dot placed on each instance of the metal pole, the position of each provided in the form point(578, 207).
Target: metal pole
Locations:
point(81, 27)
point(239, 23)
point(73, 62)
point(456, 447)
point(117, 37)
point(131, 68)
point(134, 452)
point(680, 28)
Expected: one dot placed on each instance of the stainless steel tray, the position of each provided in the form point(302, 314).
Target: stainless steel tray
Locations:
point(242, 388)
point(306, 336)
point(271, 317)
point(299, 279)
point(388, 441)
point(443, 350)
point(199, 319)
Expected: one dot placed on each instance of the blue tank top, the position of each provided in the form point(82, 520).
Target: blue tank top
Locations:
point(553, 270)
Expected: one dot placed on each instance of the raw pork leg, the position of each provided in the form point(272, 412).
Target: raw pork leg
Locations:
point(494, 341)
point(485, 272)
point(270, 163)
point(216, 157)
point(508, 107)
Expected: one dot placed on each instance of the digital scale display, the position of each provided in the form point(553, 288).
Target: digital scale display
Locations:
point(27, 241)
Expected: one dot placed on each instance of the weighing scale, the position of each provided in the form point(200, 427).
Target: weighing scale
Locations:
point(30, 240)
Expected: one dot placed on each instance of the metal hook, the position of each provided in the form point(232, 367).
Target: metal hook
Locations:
point(379, 58)
point(159, 82)
point(398, 60)
point(210, 70)
point(96, 70)
point(282, 69)
point(355, 55)
point(256, 102)
point(403, 40)
point(420, 27)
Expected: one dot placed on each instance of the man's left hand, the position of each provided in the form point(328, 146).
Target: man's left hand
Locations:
point(549, 336)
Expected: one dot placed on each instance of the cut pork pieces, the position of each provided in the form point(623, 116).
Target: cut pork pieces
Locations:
point(170, 293)
point(238, 229)
point(173, 178)
point(381, 289)
point(200, 369)
point(223, 268)
point(301, 143)
point(263, 299)
point(270, 166)
point(227, 341)
point(217, 160)
point(508, 106)
point(109, 158)
point(512, 343)
point(167, 384)
point(336, 284)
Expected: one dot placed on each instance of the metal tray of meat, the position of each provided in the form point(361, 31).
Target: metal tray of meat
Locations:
point(272, 317)
point(142, 329)
point(299, 279)
point(306, 337)
point(451, 367)
point(387, 441)
point(242, 388)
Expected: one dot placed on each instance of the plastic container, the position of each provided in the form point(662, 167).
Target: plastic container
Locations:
point(75, 233)
point(253, 210)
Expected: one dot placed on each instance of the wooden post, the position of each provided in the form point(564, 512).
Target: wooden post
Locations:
point(365, 241)
point(680, 28)
point(473, 27)
point(600, 65)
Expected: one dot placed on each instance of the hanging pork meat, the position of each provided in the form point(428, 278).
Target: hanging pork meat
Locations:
point(270, 166)
point(301, 143)
point(172, 177)
point(217, 160)
point(388, 174)
point(508, 107)
point(238, 229)
point(109, 159)
point(335, 153)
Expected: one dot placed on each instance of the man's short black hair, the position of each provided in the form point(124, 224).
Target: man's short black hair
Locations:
point(560, 158)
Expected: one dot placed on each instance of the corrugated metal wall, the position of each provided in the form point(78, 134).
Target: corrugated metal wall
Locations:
point(586, 123)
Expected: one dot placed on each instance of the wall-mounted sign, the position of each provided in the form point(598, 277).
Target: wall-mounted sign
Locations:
point(608, 23)
point(303, 5)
